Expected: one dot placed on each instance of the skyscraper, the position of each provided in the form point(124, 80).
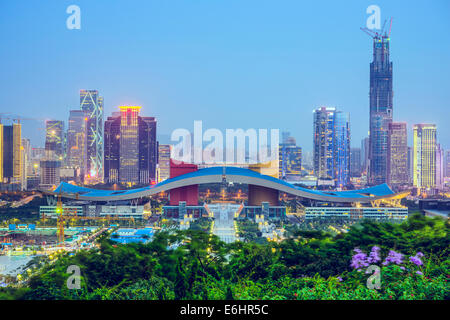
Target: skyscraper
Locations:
point(130, 147)
point(92, 103)
point(397, 154)
point(381, 109)
point(424, 156)
point(447, 163)
point(164, 161)
point(439, 167)
point(290, 158)
point(342, 149)
point(11, 153)
point(365, 155)
point(323, 144)
point(54, 138)
point(331, 145)
point(76, 142)
point(355, 162)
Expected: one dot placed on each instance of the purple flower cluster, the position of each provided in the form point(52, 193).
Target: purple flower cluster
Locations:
point(416, 259)
point(374, 256)
point(393, 257)
point(359, 260)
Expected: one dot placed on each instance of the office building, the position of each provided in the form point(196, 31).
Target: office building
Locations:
point(92, 104)
point(355, 162)
point(164, 161)
point(439, 167)
point(381, 109)
point(397, 154)
point(331, 145)
point(424, 156)
point(130, 147)
point(76, 143)
point(11, 153)
point(54, 138)
point(290, 158)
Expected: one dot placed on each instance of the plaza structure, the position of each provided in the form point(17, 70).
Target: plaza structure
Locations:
point(263, 195)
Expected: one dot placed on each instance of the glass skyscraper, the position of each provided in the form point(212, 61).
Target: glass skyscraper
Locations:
point(397, 154)
point(331, 145)
point(130, 147)
point(92, 103)
point(424, 156)
point(381, 109)
point(76, 142)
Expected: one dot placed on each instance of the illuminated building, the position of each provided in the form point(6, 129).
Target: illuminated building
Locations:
point(130, 147)
point(11, 153)
point(424, 156)
point(92, 103)
point(290, 158)
point(397, 154)
point(381, 109)
point(54, 138)
point(164, 161)
point(76, 142)
point(331, 145)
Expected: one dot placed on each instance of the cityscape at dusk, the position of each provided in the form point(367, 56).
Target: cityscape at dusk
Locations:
point(238, 150)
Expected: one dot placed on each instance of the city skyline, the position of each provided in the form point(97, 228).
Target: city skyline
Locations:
point(163, 79)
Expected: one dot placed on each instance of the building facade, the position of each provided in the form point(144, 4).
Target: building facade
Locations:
point(164, 162)
point(76, 142)
point(92, 104)
point(397, 154)
point(331, 145)
point(355, 162)
point(290, 158)
point(54, 138)
point(11, 153)
point(130, 147)
point(424, 156)
point(381, 110)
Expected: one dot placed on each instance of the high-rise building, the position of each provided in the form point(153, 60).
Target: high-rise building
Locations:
point(76, 142)
point(164, 161)
point(54, 138)
point(323, 144)
point(290, 158)
point(92, 103)
point(355, 162)
point(342, 149)
point(365, 155)
point(424, 156)
point(130, 147)
point(410, 164)
point(331, 145)
point(447, 163)
point(439, 167)
point(26, 155)
point(11, 153)
point(381, 109)
point(397, 154)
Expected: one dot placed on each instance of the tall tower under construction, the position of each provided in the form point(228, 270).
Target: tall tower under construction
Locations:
point(381, 109)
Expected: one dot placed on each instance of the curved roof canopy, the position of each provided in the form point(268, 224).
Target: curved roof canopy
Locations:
point(231, 174)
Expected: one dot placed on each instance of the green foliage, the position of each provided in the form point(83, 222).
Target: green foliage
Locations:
point(193, 264)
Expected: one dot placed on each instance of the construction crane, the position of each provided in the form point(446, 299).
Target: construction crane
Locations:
point(62, 218)
point(376, 35)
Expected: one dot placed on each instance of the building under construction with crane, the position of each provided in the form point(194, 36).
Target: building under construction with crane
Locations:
point(381, 106)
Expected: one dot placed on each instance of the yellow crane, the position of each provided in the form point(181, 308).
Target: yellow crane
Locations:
point(62, 218)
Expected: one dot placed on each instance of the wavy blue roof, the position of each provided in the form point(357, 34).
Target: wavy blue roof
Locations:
point(214, 174)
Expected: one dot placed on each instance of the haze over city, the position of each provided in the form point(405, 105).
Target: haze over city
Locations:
point(236, 64)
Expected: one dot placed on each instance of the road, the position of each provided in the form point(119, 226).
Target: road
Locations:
point(224, 221)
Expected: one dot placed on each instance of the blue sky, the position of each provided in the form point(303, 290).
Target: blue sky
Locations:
point(232, 64)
